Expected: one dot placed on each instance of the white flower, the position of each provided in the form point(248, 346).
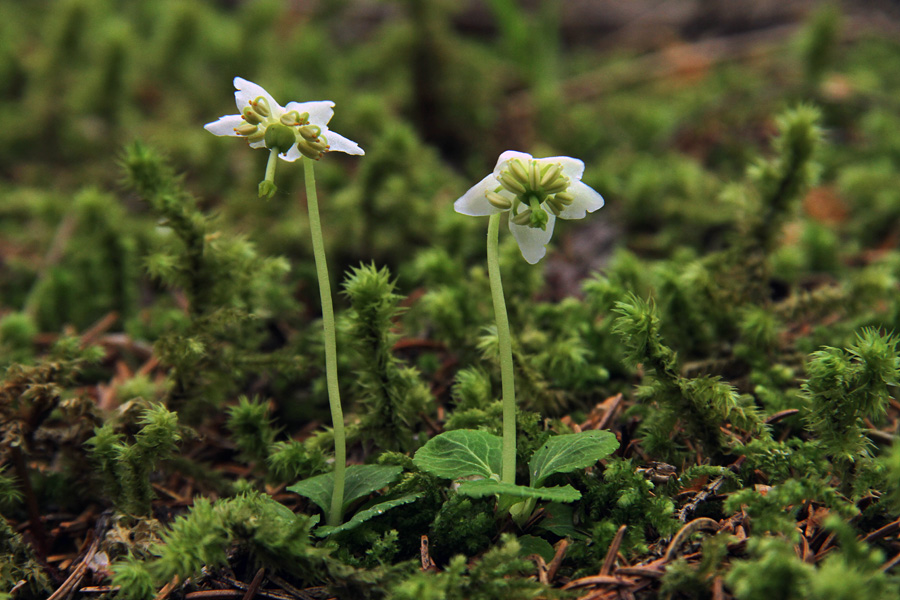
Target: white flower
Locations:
point(534, 191)
point(298, 129)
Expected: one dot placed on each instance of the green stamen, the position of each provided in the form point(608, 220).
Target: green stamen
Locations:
point(541, 187)
point(261, 106)
point(498, 201)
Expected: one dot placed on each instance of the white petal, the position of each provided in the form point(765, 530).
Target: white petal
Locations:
point(507, 156)
point(586, 200)
point(225, 125)
point(338, 143)
point(247, 91)
point(291, 155)
point(533, 241)
point(320, 111)
point(259, 144)
point(474, 202)
point(571, 167)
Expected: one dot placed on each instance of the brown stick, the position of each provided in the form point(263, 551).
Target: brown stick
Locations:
point(290, 589)
point(597, 580)
point(254, 584)
point(644, 571)
point(99, 328)
point(75, 577)
point(554, 565)
point(31, 504)
point(781, 415)
point(542, 569)
point(891, 564)
point(884, 531)
point(685, 532)
point(610, 559)
point(609, 414)
point(167, 589)
point(425, 557)
point(718, 590)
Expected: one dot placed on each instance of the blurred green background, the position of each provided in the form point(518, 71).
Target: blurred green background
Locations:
point(664, 101)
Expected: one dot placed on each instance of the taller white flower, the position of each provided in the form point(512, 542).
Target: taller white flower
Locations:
point(535, 191)
point(298, 129)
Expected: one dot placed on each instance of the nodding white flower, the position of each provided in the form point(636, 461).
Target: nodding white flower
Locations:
point(298, 129)
point(535, 191)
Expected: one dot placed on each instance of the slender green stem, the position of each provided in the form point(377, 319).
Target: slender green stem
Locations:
point(267, 186)
point(270, 165)
point(508, 472)
point(331, 376)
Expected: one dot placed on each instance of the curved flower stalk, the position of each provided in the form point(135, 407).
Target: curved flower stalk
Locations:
point(289, 132)
point(299, 129)
point(534, 191)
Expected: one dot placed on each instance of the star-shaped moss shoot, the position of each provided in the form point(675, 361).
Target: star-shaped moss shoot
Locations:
point(534, 191)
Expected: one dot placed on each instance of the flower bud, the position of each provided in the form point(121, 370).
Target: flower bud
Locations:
point(498, 201)
point(280, 137)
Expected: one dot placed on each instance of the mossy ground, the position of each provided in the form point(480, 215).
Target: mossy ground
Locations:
point(729, 314)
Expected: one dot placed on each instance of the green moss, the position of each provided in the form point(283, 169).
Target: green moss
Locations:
point(462, 526)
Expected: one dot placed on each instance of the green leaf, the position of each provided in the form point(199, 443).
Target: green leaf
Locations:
point(461, 453)
point(318, 489)
point(369, 513)
point(360, 481)
point(531, 544)
point(487, 487)
point(570, 452)
point(559, 520)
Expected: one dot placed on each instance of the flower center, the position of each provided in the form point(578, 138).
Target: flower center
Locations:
point(280, 132)
point(535, 188)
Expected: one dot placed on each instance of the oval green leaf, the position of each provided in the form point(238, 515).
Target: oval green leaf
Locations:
point(461, 453)
point(360, 480)
point(570, 452)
